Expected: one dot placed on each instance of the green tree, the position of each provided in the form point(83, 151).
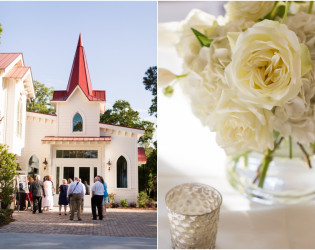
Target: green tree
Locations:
point(7, 173)
point(148, 173)
point(150, 83)
point(122, 114)
point(41, 102)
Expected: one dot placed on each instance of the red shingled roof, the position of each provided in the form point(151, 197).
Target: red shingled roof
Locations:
point(69, 138)
point(17, 72)
point(79, 76)
point(141, 156)
point(7, 58)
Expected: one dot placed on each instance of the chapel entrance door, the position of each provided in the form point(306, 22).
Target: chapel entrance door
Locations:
point(68, 172)
point(84, 174)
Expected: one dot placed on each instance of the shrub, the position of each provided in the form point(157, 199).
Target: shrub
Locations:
point(123, 202)
point(108, 205)
point(111, 198)
point(7, 173)
point(150, 204)
point(6, 216)
point(115, 204)
point(132, 204)
point(142, 198)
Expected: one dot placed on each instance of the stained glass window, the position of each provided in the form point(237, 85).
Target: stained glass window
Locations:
point(77, 123)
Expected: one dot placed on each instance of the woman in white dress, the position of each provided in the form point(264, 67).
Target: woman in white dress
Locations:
point(47, 200)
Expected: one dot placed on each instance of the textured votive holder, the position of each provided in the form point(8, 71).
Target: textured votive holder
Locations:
point(193, 213)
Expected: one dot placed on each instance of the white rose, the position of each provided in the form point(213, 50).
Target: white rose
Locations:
point(266, 65)
point(303, 25)
point(249, 10)
point(189, 47)
point(205, 85)
point(203, 96)
point(240, 126)
point(297, 117)
point(218, 57)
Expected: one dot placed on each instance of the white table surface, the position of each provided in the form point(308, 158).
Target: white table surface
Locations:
point(187, 152)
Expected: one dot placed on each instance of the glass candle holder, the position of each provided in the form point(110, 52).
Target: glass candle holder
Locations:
point(193, 213)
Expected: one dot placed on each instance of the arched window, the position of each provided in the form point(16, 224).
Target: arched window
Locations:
point(121, 172)
point(33, 166)
point(77, 123)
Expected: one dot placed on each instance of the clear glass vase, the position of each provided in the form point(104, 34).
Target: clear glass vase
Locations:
point(288, 178)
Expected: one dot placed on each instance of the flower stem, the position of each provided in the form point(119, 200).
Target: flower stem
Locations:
point(310, 7)
point(266, 162)
point(287, 4)
point(181, 76)
point(264, 168)
point(273, 12)
point(306, 155)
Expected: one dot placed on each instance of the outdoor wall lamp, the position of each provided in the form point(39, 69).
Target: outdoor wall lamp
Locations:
point(45, 163)
point(109, 164)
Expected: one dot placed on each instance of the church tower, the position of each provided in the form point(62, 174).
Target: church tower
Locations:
point(79, 105)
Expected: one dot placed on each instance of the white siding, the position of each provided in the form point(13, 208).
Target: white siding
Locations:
point(126, 146)
point(89, 111)
point(38, 126)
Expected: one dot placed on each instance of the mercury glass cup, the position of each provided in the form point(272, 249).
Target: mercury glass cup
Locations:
point(193, 212)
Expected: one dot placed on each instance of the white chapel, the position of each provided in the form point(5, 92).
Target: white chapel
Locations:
point(73, 142)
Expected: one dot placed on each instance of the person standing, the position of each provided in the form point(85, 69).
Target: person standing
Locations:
point(97, 198)
point(76, 194)
point(29, 197)
point(84, 190)
point(53, 190)
point(63, 196)
point(37, 190)
point(68, 198)
point(47, 201)
point(87, 188)
point(105, 198)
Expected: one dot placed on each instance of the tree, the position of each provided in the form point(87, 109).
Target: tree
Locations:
point(148, 173)
point(150, 83)
point(41, 102)
point(7, 174)
point(122, 114)
point(146, 139)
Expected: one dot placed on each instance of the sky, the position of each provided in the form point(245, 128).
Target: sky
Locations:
point(119, 39)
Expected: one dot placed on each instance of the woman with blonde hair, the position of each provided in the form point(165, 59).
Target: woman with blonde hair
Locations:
point(63, 196)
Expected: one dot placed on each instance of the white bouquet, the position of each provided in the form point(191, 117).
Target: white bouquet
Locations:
point(250, 74)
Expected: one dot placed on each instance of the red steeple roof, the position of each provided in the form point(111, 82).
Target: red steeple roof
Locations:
point(80, 76)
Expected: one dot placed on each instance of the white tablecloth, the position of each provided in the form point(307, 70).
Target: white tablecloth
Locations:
point(187, 152)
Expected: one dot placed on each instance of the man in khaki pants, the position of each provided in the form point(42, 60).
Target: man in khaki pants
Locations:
point(76, 194)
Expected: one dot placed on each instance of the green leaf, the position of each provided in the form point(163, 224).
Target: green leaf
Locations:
point(203, 39)
point(277, 11)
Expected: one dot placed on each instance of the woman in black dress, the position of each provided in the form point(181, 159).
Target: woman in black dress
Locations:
point(63, 196)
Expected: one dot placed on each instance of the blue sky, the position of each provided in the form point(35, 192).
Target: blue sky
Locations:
point(119, 39)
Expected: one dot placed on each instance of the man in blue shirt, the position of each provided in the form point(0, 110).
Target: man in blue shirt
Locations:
point(76, 194)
